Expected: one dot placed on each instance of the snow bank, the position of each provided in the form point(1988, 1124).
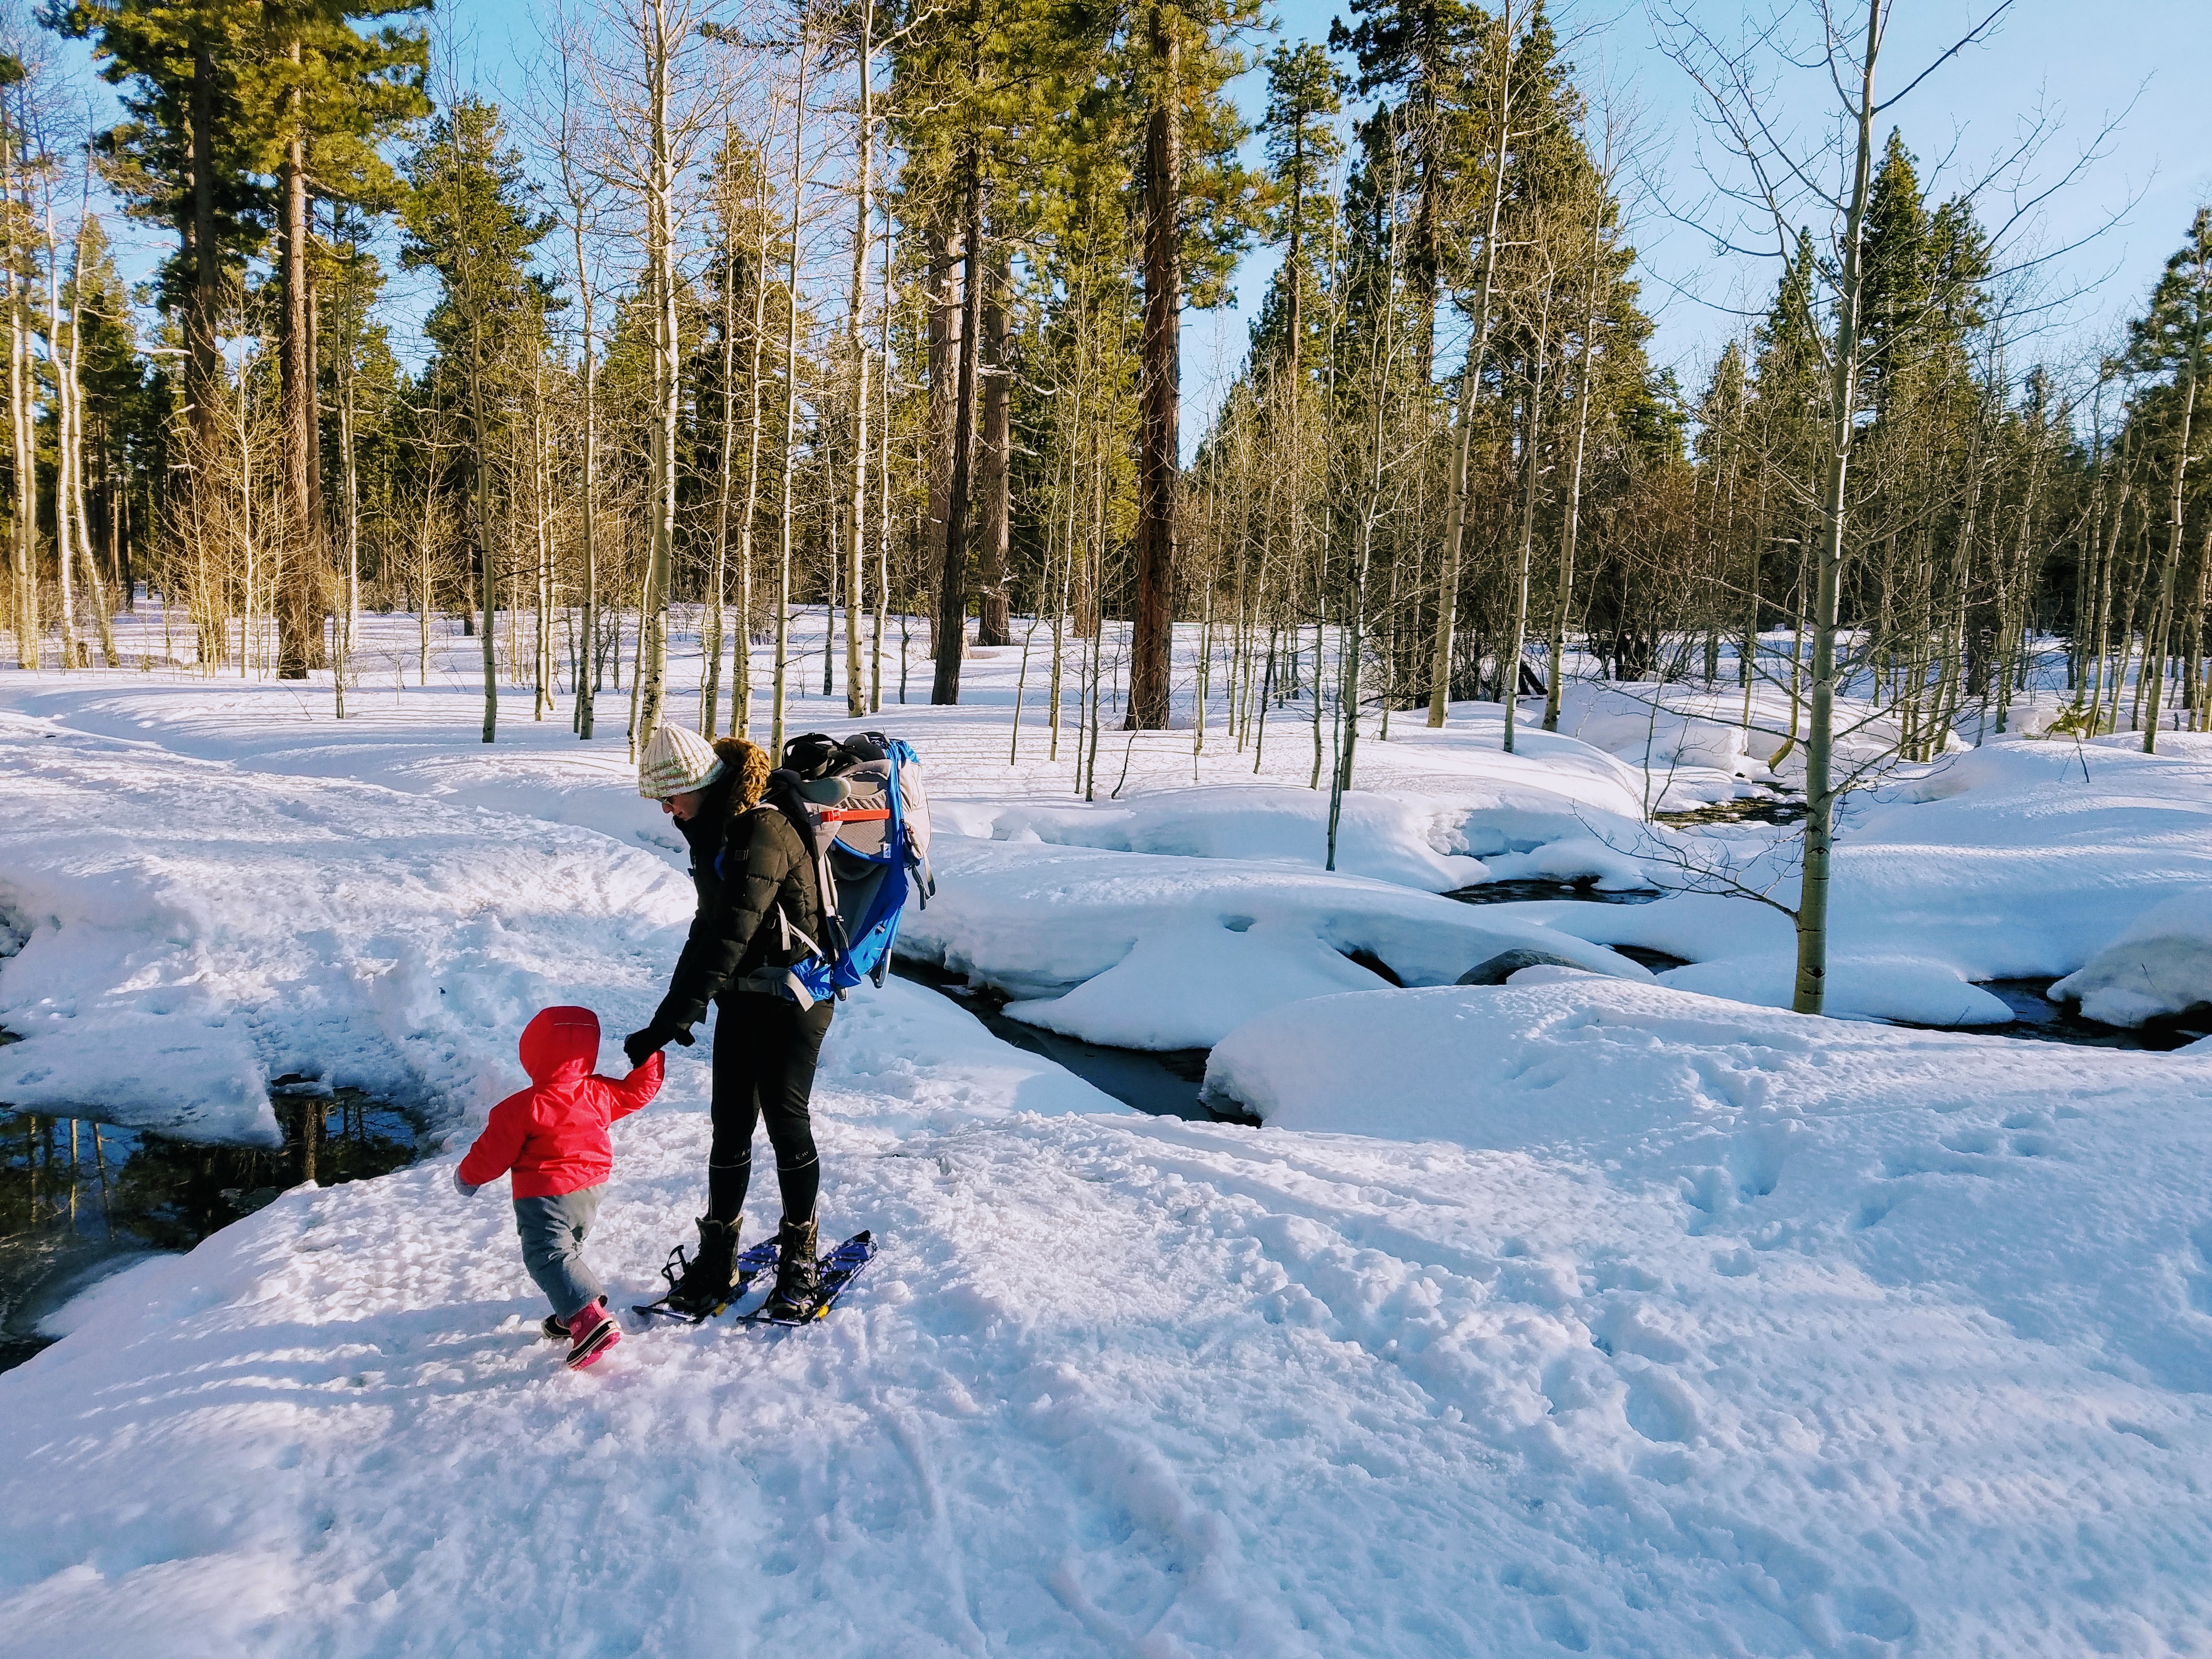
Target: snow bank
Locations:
point(1037, 920)
point(1405, 840)
point(191, 1077)
point(1189, 987)
point(2019, 860)
point(192, 930)
point(1891, 987)
point(1696, 746)
point(2161, 964)
point(2056, 1189)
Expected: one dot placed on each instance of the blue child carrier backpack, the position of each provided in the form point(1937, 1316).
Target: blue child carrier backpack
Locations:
point(859, 803)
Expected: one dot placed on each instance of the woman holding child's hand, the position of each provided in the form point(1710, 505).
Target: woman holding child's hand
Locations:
point(758, 910)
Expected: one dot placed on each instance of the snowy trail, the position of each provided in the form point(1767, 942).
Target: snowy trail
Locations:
point(1131, 1386)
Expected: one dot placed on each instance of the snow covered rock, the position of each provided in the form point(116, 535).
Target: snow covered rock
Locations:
point(2161, 964)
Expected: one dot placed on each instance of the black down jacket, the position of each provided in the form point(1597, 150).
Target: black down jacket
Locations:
point(746, 859)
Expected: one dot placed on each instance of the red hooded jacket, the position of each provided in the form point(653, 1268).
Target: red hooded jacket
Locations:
point(554, 1134)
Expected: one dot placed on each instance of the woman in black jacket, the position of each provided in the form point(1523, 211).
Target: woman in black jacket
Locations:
point(759, 911)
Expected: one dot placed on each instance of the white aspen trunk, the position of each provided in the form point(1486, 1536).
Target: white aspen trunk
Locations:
point(573, 184)
point(882, 489)
point(71, 375)
point(1811, 990)
point(856, 344)
point(1556, 640)
point(22, 545)
point(652, 667)
point(741, 670)
point(64, 552)
point(790, 411)
point(711, 688)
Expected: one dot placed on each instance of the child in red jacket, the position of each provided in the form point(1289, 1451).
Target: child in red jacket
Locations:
point(554, 1136)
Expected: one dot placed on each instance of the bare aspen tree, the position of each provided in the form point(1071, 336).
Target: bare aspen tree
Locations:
point(741, 680)
point(654, 21)
point(1730, 84)
point(856, 703)
point(790, 392)
point(14, 204)
point(711, 640)
point(580, 191)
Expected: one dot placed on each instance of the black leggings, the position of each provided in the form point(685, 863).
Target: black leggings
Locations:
point(765, 1051)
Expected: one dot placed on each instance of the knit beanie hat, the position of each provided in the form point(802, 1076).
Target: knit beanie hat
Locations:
point(676, 760)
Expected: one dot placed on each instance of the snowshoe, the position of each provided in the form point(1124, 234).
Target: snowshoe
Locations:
point(835, 1273)
point(754, 1261)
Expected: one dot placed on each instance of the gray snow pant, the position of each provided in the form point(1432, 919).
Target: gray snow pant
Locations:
point(553, 1230)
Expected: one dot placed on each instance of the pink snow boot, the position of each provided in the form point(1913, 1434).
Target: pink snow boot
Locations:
point(591, 1333)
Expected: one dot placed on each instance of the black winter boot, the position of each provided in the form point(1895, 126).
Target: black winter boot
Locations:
point(710, 1276)
point(797, 1274)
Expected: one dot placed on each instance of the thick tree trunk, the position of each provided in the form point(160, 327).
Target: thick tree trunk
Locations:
point(1470, 388)
point(299, 600)
point(953, 583)
point(882, 489)
point(204, 367)
point(994, 625)
point(2154, 652)
point(1508, 670)
point(946, 307)
point(741, 663)
point(1159, 460)
point(710, 690)
point(1570, 532)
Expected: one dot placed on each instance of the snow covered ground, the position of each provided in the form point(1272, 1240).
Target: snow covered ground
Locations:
point(1586, 1314)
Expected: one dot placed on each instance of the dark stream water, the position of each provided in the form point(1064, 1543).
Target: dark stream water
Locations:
point(1164, 1083)
point(80, 1200)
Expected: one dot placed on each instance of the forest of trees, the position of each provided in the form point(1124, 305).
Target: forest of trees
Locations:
point(740, 310)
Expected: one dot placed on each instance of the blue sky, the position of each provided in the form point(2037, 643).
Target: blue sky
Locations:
point(2147, 62)
point(2149, 58)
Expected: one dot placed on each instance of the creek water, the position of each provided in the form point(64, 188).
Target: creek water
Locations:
point(81, 1200)
point(1164, 1083)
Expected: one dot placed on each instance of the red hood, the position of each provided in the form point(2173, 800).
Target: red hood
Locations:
point(561, 1044)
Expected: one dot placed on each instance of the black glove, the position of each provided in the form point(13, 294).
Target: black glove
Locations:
point(654, 1038)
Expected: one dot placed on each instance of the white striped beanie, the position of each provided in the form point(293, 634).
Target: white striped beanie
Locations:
point(676, 762)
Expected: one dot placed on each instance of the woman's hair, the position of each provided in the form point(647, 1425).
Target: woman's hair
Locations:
point(749, 766)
